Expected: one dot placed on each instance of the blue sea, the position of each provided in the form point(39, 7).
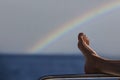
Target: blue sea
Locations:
point(32, 67)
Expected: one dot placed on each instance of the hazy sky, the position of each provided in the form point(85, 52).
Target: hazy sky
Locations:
point(25, 22)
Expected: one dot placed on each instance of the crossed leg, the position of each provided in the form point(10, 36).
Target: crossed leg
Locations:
point(94, 63)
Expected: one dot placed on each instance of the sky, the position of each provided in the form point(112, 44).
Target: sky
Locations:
point(24, 23)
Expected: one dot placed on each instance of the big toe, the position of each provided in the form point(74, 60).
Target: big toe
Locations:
point(79, 36)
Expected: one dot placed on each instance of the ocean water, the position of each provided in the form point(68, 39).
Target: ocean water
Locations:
point(32, 67)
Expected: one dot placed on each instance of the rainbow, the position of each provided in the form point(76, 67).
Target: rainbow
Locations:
point(77, 22)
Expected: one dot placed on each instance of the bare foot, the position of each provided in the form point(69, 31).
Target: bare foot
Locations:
point(94, 63)
point(83, 45)
point(90, 55)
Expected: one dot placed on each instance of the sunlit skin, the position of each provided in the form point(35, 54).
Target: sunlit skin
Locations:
point(94, 64)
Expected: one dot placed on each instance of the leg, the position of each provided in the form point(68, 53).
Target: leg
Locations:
point(94, 63)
